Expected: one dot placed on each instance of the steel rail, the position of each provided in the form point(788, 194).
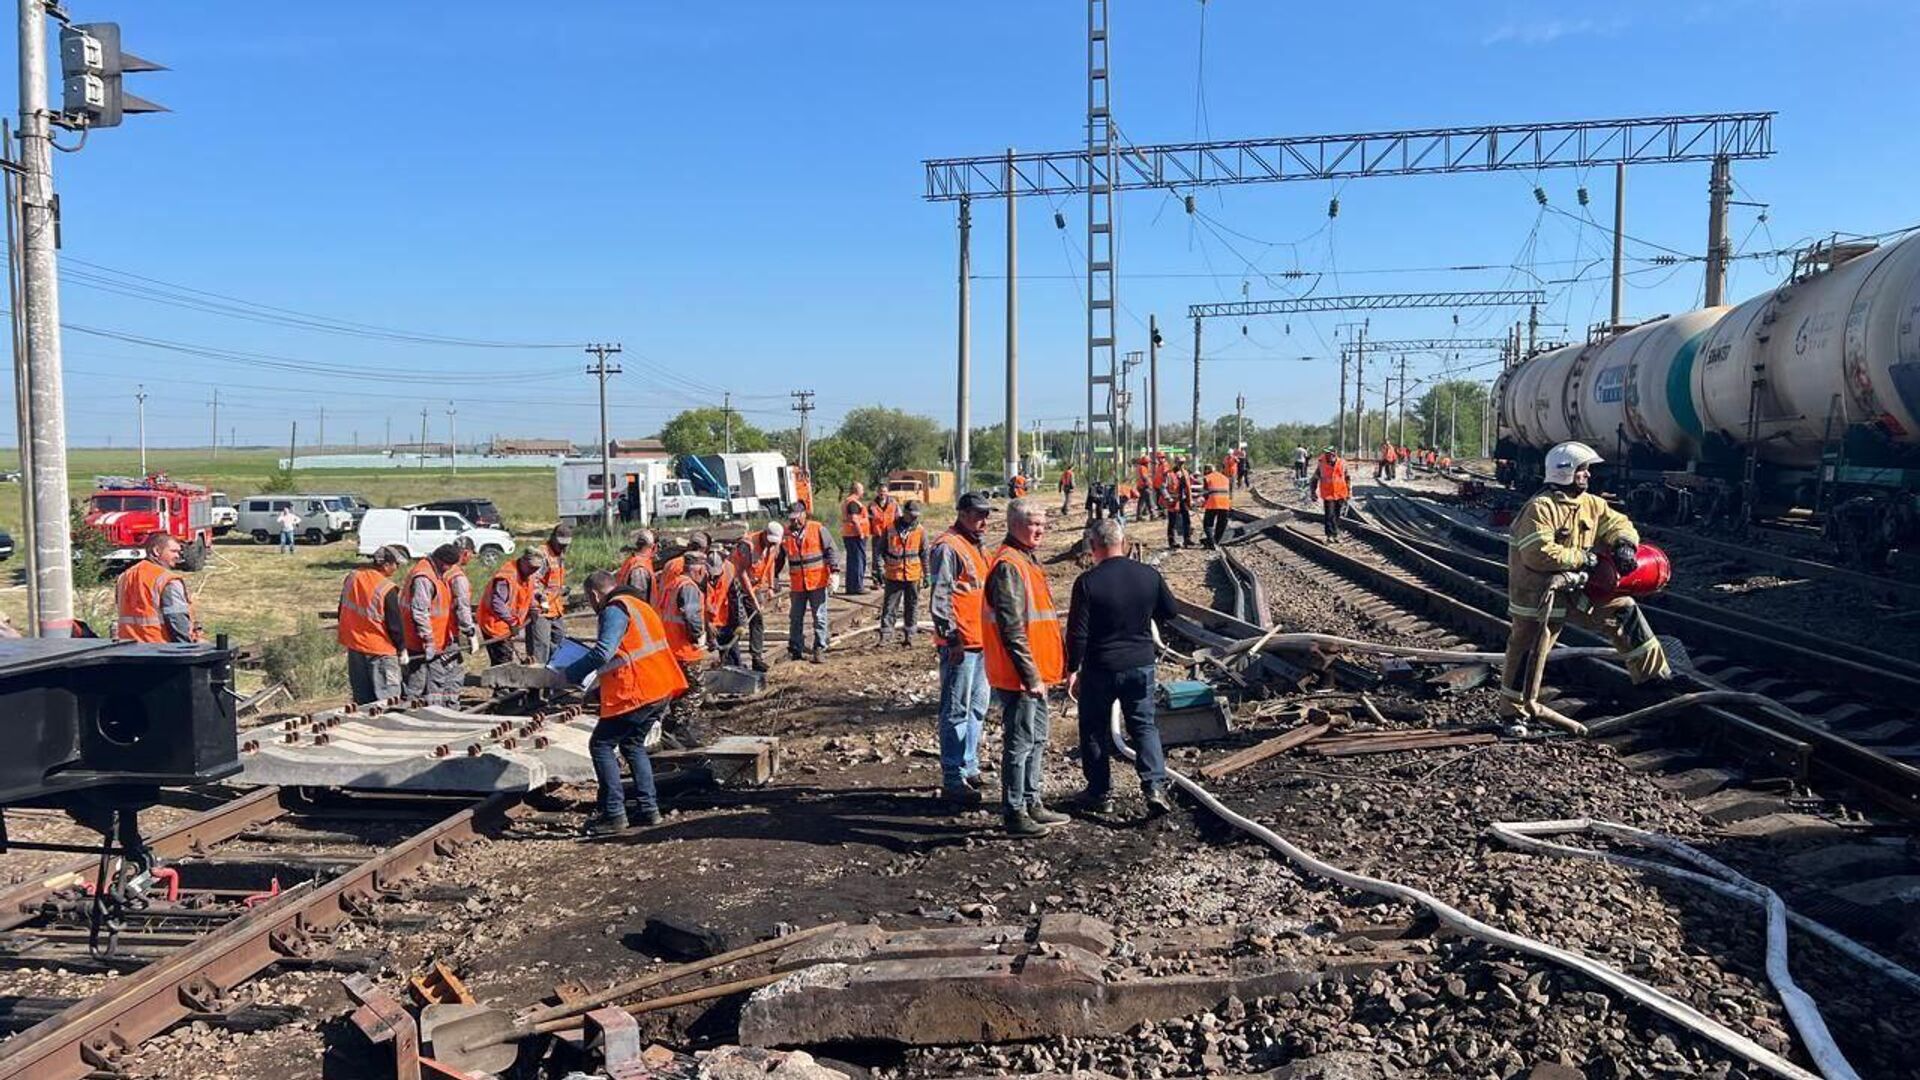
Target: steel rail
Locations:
point(1827, 756)
point(94, 1035)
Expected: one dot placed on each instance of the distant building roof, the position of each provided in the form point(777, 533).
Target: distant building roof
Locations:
point(532, 447)
point(637, 448)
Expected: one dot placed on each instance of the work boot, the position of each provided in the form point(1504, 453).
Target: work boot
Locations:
point(1155, 796)
point(819, 655)
point(1022, 826)
point(974, 781)
point(963, 796)
point(605, 825)
point(1043, 816)
point(796, 654)
point(1095, 805)
point(763, 667)
point(644, 818)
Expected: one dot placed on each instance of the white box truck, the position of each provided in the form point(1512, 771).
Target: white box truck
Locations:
point(758, 483)
point(644, 489)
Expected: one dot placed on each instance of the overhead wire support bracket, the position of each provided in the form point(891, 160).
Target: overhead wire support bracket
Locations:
point(1645, 140)
point(1369, 302)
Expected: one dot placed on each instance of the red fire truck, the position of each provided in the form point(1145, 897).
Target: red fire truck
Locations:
point(125, 510)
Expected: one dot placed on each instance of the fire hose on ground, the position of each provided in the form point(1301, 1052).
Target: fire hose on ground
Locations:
point(1652, 997)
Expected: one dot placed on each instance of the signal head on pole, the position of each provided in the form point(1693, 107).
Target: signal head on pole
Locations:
point(91, 66)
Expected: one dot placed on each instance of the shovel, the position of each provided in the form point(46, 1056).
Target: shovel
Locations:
point(480, 1037)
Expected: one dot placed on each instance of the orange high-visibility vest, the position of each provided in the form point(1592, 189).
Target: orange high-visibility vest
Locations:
point(968, 583)
point(643, 671)
point(755, 566)
point(901, 561)
point(853, 518)
point(807, 558)
point(1219, 491)
point(638, 560)
point(363, 613)
point(439, 612)
point(1045, 639)
point(880, 516)
point(137, 594)
point(519, 600)
point(1017, 485)
point(1159, 476)
point(1066, 479)
point(1330, 478)
point(719, 596)
point(556, 580)
point(680, 639)
point(1386, 452)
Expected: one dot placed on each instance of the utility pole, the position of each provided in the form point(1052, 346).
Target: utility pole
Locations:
point(323, 429)
point(1719, 187)
point(52, 542)
point(803, 404)
point(1486, 407)
point(1153, 382)
point(423, 438)
point(726, 417)
point(22, 367)
point(1453, 418)
point(1402, 440)
point(1533, 326)
point(1239, 420)
point(600, 370)
point(453, 441)
point(1341, 443)
point(1193, 436)
point(389, 437)
point(213, 433)
point(1013, 325)
point(140, 396)
point(293, 441)
point(963, 408)
point(1360, 386)
point(1619, 229)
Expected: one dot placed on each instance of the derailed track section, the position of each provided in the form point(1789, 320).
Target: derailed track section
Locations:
point(241, 933)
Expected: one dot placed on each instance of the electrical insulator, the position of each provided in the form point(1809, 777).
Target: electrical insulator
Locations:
point(1059, 220)
point(1540, 195)
point(1333, 208)
point(1243, 329)
point(1289, 327)
point(1582, 194)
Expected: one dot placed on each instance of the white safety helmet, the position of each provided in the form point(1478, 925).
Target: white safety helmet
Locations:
point(775, 532)
point(1565, 459)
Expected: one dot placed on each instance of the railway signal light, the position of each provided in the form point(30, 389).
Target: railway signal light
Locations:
point(91, 66)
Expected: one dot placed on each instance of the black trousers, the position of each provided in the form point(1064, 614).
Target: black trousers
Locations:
point(1331, 511)
point(1179, 524)
point(1214, 524)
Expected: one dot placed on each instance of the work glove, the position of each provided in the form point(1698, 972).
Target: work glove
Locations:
point(1626, 557)
point(1589, 561)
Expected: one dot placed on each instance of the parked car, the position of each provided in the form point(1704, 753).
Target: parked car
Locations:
point(323, 518)
point(225, 514)
point(6, 545)
point(353, 504)
point(480, 512)
point(420, 530)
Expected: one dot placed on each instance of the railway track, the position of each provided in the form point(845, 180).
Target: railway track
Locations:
point(259, 881)
point(1855, 728)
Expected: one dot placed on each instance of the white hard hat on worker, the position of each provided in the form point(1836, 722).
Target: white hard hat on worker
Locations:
point(1566, 459)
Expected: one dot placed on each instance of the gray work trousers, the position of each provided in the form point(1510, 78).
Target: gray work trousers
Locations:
point(372, 678)
point(798, 601)
point(449, 675)
point(1023, 748)
point(417, 681)
point(543, 636)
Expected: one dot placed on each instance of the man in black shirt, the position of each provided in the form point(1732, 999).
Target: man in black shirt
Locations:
point(1110, 657)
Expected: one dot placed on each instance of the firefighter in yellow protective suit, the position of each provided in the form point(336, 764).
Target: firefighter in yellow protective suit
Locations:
point(1558, 536)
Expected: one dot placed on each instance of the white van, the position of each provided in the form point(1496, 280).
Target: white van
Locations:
point(323, 518)
point(420, 531)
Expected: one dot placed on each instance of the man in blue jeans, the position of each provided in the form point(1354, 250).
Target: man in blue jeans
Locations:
point(1110, 658)
point(638, 678)
point(956, 573)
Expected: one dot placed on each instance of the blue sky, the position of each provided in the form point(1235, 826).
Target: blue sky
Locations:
point(734, 192)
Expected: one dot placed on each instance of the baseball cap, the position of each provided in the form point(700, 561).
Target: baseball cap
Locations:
point(973, 501)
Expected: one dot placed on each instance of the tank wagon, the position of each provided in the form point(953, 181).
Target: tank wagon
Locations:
point(1805, 397)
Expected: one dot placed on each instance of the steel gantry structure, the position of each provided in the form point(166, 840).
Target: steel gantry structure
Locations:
point(1199, 313)
point(1107, 165)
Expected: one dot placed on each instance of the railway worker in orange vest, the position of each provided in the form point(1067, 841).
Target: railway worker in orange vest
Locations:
point(1017, 485)
point(547, 627)
point(856, 528)
point(1179, 505)
point(1332, 486)
point(810, 562)
point(1066, 490)
point(1143, 489)
point(450, 672)
point(753, 585)
point(151, 599)
point(903, 563)
point(956, 576)
point(1025, 653)
point(429, 625)
point(684, 613)
point(1383, 468)
point(636, 570)
point(372, 628)
point(638, 679)
point(1158, 479)
point(1217, 490)
point(880, 518)
point(508, 603)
